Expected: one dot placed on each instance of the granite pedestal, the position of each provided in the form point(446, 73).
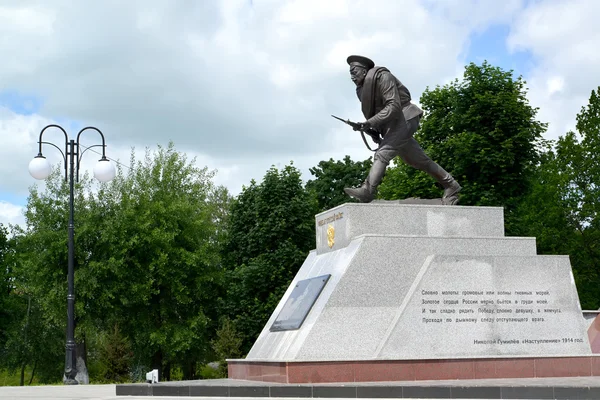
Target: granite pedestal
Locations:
point(418, 292)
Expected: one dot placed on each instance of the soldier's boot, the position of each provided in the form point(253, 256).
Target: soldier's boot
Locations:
point(450, 185)
point(451, 190)
point(368, 190)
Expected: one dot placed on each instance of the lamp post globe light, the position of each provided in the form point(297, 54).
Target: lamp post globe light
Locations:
point(104, 171)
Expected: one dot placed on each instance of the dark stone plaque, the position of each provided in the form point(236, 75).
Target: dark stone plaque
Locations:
point(299, 304)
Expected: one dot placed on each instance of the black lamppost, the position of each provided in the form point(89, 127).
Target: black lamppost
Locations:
point(104, 171)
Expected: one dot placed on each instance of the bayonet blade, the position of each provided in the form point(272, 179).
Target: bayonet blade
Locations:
point(338, 118)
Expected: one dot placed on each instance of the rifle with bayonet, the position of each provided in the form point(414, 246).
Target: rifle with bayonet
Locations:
point(374, 134)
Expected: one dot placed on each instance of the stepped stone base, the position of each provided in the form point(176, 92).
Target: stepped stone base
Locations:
point(352, 220)
point(412, 292)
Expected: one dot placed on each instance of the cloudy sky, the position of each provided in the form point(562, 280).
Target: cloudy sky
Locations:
point(246, 84)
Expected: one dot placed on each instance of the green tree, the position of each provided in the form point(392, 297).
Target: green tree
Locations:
point(146, 259)
point(115, 356)
point(331, 177)
point(42, 270)
point(562, 210)
point(5, 284)
point(483, 131)
point(270, 232)
point(226, 344)
point(158, 250)
point(31, 340)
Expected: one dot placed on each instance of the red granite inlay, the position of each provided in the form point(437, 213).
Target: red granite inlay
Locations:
point(237, 370)
point(484, 369)
point(444, 369)
point(384, 371)
point(320, 372)
point(409, 370)
point(275, 372)
point(255, 371)
point(515, 368)
point(563, 366)
point(595, 366)
point(594, 335)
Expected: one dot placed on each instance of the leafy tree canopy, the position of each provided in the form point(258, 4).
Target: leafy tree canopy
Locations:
point(331, 177)
point(483, 131)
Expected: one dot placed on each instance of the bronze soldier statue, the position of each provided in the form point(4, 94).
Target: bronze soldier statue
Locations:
point(386, 105)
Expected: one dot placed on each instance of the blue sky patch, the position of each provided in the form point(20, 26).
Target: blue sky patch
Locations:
point(20, 103)
point(13, 198)
point(490, 45)
point(71, 126)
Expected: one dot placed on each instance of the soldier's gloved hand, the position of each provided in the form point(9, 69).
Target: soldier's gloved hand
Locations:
point(375, 136)
point(363, 126)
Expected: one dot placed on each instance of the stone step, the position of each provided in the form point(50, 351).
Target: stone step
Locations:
point(370, 280)
point(336, 227)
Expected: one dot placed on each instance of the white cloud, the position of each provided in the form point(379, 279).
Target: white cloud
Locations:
point(19, 135)
point(563, 37)
point(11, 214)
point(25, 21)
point(244, 85)
point(555, 84)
